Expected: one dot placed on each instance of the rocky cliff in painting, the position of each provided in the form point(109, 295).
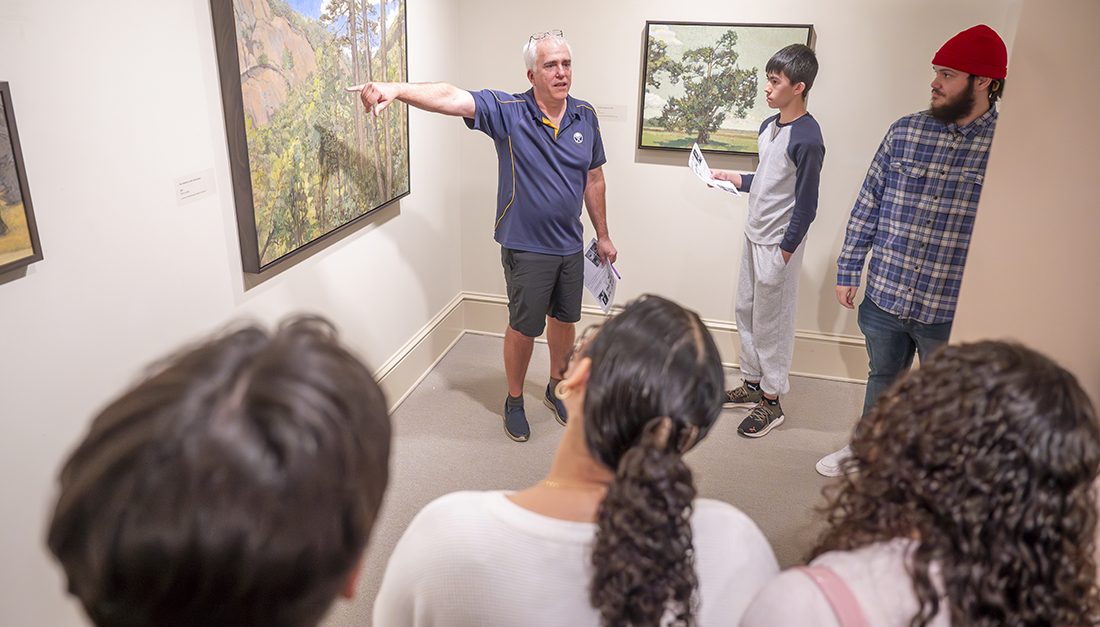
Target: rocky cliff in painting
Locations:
point(275, 56)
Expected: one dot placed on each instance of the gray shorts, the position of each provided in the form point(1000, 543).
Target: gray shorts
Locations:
point(541, 285)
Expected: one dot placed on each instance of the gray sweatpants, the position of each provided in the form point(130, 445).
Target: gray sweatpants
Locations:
point(767, 292)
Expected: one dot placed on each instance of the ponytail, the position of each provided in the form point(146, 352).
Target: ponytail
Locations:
point(643, 559)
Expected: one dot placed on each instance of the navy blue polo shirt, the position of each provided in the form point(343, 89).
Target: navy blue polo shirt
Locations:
point(542, 170)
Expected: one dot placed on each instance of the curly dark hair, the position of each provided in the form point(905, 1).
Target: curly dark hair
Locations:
point(986, 456)
point(654, 392)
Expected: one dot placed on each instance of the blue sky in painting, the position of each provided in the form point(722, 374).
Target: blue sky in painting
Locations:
point(312, 9)
point(309, 8)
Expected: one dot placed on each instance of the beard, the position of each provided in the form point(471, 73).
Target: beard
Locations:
point(954, 109)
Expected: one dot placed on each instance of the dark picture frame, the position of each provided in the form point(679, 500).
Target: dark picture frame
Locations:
point(19, 245)
point(307, 161)
point(685, 63)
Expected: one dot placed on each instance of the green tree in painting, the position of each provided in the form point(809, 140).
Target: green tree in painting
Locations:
point(393, 51)
point(658, 61)
point(384, 50)
point(368, 27)
point(345, 12)
point(713, 87)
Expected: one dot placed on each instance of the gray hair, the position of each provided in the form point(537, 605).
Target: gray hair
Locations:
point(531, 49)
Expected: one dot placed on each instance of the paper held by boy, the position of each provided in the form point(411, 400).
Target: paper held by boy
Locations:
point(699, 166)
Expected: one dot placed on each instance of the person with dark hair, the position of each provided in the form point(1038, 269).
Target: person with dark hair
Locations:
point(550, 160)
point(783, 196)
point(235, 486)
point(614, 535)
point(915, 214)
point(972, 502)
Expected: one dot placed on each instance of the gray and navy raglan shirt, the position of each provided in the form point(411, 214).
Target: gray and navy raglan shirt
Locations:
point(783, 190)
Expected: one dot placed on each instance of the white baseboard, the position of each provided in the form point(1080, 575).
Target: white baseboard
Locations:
point(834, 357)
point(829, 356)
point(402, 372)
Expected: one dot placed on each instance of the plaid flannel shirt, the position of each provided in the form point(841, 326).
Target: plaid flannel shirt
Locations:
point(915, 213)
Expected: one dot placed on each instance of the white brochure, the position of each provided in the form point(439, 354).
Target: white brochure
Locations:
point(600, 277)
point(699, 166)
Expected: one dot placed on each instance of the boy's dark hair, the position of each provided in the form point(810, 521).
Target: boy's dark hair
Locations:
point(798, 63)
point(236, 485)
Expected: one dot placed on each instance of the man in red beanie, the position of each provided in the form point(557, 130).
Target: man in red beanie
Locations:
point(915, 214)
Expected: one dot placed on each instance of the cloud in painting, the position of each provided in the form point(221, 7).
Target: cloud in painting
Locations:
point(665, 34)
point(653, 104)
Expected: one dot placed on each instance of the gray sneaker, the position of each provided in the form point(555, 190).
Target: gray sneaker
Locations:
point(742, 396)
point(762, 419)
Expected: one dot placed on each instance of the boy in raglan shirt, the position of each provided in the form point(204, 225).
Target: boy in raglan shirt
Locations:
point(782, 204)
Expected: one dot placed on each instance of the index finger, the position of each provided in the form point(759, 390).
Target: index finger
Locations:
point(357, 88)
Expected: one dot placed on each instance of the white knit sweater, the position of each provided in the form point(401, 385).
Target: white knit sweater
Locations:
point(476, 558)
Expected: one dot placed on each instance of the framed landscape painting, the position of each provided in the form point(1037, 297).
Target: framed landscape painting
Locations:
point(306, 159)
point(704, 83)
point(19, 245)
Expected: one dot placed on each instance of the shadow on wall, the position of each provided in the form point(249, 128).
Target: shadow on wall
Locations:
point(829, 311)
point(14, 275)
point(364, 320)
point(653, 156)
point(378, 218)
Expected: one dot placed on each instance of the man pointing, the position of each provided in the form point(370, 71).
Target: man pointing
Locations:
point(549, 154)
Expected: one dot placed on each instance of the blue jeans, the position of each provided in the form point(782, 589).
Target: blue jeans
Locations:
point(891, 343)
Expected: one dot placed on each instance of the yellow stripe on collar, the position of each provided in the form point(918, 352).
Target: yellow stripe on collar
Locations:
point(547, 122)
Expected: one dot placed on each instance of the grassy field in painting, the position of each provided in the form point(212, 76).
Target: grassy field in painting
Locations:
point(723, 139)
point(16, 244)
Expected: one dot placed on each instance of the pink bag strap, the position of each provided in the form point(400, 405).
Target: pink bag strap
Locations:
point(838, 594)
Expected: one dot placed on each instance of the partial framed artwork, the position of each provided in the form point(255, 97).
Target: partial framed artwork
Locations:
point(306, 159)
point(704, 83)
point(19, 244)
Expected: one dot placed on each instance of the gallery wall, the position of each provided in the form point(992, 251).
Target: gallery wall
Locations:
point(1031, 274)
point(676, 237)
point(114, 102)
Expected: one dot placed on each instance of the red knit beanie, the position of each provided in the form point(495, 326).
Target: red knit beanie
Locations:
point(977, 50)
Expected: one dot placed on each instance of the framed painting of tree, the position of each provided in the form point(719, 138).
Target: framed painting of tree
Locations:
point(19, 245)
point(307, 160)
point(703, 83)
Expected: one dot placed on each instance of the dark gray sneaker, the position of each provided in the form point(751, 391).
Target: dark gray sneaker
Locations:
point(742, 396)
point(762, 419)
point(552, 401)
point(515, 422)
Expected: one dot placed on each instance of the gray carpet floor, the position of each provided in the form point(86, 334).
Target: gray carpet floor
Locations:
point(449, 436)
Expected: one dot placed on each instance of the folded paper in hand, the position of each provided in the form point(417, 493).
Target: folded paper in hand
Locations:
point(699, 166)
point(599, 278)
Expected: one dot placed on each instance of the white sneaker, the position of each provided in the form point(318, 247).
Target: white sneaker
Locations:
point(832, 464)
